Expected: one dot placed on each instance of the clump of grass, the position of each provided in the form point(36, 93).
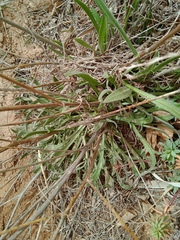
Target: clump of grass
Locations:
point(109, 109)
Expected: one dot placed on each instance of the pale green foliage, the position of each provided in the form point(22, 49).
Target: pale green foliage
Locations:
point(160, 227)
point(170, 151)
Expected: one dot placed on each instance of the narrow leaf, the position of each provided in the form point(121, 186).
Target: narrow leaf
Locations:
point(89, 13)
point(87, 79)
point(105, 10)
point(165, 104)
point(85, 76)
point(174, 184)
point(147, 147)
point(103, 34)
point(105, 91)
point(84, 44)
point(155, 67)
point(96, 16)
point(101, 161)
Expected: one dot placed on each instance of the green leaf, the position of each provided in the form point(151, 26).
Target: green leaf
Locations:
point(133, 7)
point(84, 44)
point(138, 118)
point(167, 105)
point(164, 63)
point(103, 34)
point(86, 77)
point(174, 184)
point(36, 133)
point(156, 66)
point(101, 161)
point(109, 181)
point(89, 13)
point(147, 147)
point(105, 91)
point(96, 16)
point(119, 94)
point(59, 43)
point(105, 10)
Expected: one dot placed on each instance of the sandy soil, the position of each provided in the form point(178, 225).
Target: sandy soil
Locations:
point(14, 50)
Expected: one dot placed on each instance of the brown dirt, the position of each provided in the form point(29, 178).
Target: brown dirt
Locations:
point(14, 50)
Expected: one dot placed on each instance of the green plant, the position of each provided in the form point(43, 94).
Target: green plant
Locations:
point(160, 226)
point(170, 151)
point(101, 26)
point(100, 114)
point(175, 178)
point(138, 14)
point(106, 11)
point(169, 154)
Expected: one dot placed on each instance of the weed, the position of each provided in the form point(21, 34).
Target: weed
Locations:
point(96, 121)
point(170, 151)
point(160, 226)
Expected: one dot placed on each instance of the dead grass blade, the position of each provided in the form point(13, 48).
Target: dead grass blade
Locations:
point(55, 189)
point(40, 118)
point(73, 200)
point(155, 45)
point(13, 229)
point(123, 224)
point(31, 89)
point(32, 33)
point(113, 113)
point(28, 140)
point(24, 65)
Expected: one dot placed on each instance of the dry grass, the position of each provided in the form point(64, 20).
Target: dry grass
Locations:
point(58, 201)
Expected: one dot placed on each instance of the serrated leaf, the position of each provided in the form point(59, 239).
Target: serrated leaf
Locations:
point(119, 94)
